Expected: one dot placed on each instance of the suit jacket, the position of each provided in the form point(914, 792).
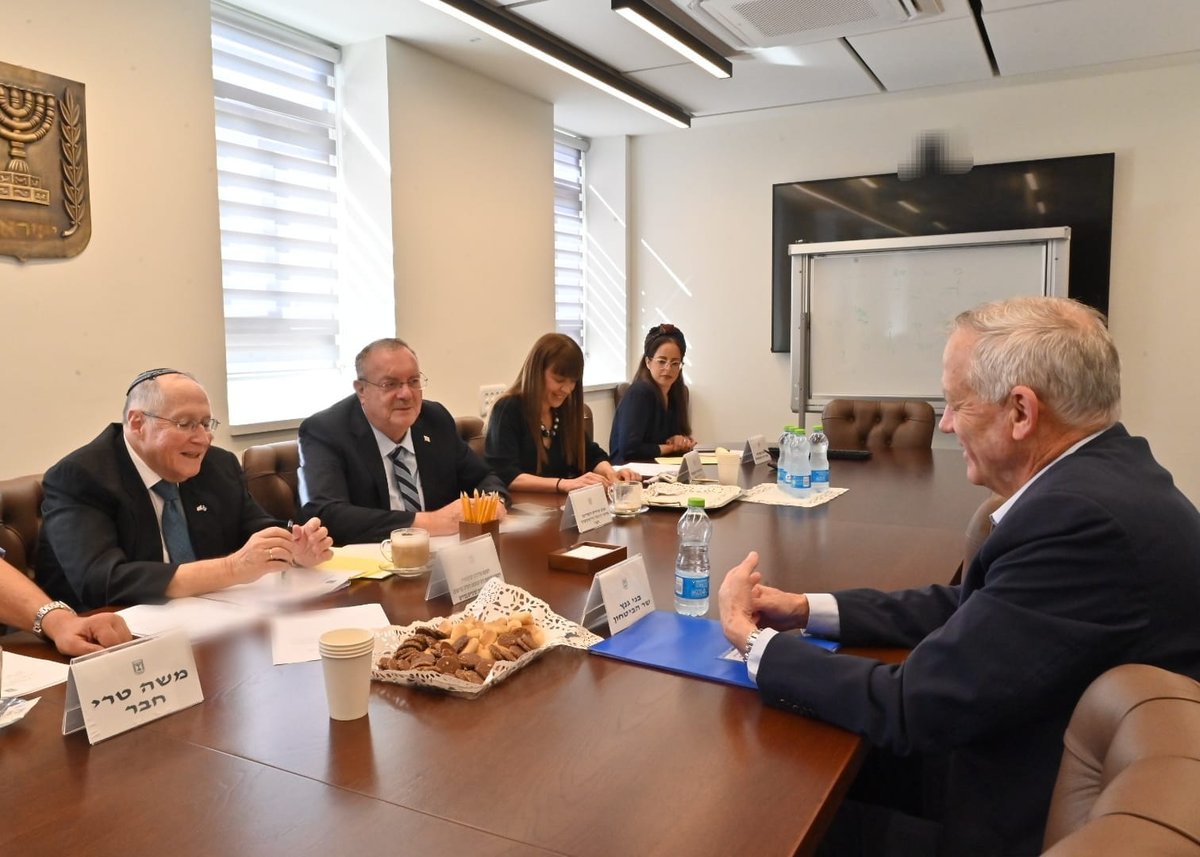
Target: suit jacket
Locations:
point(641, 423)
point(343, 480)
point(100, 540)
point(1094, 566)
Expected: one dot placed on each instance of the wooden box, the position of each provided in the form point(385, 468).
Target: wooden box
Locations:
point(562, 560)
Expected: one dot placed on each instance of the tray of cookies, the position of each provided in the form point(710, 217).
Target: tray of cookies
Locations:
point(503, 630)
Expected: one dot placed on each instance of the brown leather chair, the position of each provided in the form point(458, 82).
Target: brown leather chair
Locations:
point(21, 520)
point(1130, 775)
point(619, 392)
point(978, 529)
point(272, 477)
point(470, 429)
point(588, 423)
point(867, 424)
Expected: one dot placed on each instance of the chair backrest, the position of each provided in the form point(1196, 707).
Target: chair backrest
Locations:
point(978, 529)
point(21, 520)
point(470, 429)
point(1130, 771)
point(272, 477)
point(619, 392)
point(870, 424)
point(588, 423)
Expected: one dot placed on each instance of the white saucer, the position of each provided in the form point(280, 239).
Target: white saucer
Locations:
point(405, 572)
point(633, 514)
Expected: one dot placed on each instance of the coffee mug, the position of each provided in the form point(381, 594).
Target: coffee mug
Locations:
point(407, 548)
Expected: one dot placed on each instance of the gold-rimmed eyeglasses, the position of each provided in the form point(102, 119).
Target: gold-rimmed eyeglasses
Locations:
point(391, 385)
point(188, 426)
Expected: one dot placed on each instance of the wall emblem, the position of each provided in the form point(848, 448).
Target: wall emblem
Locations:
point(44, 200)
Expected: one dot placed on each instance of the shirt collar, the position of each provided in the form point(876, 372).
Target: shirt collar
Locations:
point(387, 445)
point(149, 477)
point(999, 514)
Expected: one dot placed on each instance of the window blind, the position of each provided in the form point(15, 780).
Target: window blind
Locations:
point(570, 239)
point(277, 181)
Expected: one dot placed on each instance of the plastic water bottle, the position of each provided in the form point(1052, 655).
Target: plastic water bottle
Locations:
point(691, 563)
point(799, 469)
point(818, 457)
point(782, 477)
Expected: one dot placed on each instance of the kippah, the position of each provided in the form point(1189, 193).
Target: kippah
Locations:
point(150, 375)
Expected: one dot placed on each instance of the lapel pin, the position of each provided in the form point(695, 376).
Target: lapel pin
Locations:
point(427, 440)
point(201, 508)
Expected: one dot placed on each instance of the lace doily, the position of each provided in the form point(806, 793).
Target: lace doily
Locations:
point(769, 492)
point(675, 495)
point(495, 600)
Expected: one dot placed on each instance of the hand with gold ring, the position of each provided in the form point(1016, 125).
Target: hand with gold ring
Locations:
point(270, 554)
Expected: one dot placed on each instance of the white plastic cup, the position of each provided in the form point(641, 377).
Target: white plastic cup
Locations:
point(346, 660)
point(728, 466)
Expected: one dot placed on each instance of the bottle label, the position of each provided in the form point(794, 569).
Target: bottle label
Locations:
point(801, 481)
point(820, 476)
point(691, 587)
point(783, 476)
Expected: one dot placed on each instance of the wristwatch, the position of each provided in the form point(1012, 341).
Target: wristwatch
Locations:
point(751, 639)
point(45, 610)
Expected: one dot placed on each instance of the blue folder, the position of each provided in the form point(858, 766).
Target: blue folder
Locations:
point(691, 645)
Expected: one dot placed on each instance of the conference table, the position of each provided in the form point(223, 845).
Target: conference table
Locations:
point(573, 755)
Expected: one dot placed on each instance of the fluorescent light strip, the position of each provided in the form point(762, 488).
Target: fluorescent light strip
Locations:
point(551, 60)
point(657, 29)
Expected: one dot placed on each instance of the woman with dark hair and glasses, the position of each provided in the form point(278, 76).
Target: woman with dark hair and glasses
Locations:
point(652, 417)
point(535, 438)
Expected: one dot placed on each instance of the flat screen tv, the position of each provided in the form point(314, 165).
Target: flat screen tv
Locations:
point(1075, 192)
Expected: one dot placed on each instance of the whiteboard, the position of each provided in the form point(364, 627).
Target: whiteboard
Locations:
point(875, 321)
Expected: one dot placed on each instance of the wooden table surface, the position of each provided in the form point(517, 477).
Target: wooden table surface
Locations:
point(574, 755)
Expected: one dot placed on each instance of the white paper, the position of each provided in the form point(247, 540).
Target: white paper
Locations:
point(24, 675)
point(587, 552)
point(199, 618)
point(13, 710)
point(649, 468)
point(294, 638)
point(279, 588)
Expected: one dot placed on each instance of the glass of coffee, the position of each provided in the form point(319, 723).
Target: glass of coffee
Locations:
point(408, 550)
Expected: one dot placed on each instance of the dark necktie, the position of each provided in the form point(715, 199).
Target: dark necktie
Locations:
point(174, 524)
point(406, 479)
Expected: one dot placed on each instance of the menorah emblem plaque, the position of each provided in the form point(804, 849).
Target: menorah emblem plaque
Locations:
point(44, 200)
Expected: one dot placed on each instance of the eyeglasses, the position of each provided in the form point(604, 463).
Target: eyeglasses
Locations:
point(391, 385)
point(188, 426)
point(664, 363)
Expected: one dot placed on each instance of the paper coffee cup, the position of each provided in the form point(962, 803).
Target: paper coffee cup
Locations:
point(728, 466)
point(346, 660)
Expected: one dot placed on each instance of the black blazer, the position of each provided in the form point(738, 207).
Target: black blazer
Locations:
point(641, 424)
point(100, 541)
point(343, 480)
point(1094, 566)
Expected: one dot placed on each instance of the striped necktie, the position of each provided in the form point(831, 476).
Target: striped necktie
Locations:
point(174, 524)
point(406, 479)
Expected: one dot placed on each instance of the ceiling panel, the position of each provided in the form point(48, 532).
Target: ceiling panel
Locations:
point(1071, 33)
point(927, 55)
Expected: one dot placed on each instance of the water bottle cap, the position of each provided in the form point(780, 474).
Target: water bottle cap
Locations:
point(695, 502)
point(799, 429)
point(818, 427)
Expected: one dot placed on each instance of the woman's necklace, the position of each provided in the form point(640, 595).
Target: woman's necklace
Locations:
point(553, 430)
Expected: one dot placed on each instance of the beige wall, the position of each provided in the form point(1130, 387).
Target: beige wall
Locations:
point(702, 201)
point(146, 291)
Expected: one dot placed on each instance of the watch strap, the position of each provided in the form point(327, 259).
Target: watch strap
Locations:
point(751, 639)
point(44, 611)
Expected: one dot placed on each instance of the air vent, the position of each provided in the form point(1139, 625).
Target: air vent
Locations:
point(773, 23)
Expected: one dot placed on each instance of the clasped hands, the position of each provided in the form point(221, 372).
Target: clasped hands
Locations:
point(746, 603)
point(678, 444)
point(276, 549)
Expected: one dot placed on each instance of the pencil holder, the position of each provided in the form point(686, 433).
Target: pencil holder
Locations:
point(469, 530)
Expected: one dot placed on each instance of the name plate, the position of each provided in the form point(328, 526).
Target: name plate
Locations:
point(691, 469)
point(464, 568)
point(620, 594)
point(756, 450)
point(129, 685)
point(587, 508)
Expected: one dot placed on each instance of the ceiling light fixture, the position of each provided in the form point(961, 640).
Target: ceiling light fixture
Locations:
point(673, 36)
point(541, 45)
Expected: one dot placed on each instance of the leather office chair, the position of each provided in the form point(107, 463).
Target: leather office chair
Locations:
point(21, 520)
point(588, 423)
point(978, 529)
point(470, 429)
point(272, 477)
point(1130, 771)
point(867, 424)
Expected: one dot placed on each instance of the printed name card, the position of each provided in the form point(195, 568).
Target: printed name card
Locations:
point(620, 594)
point(691, 469)
point(464, 568)
point(756, 450)
point(587, 508)
point(124, 687)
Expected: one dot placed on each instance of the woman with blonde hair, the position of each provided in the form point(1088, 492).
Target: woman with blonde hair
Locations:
point(535, 438)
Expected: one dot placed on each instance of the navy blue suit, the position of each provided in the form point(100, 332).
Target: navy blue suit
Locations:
point(1097, 564)
point(100, 541)
point(641, 424)
point(342, 476)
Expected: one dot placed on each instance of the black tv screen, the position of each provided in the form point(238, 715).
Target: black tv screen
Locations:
point(1075, 192)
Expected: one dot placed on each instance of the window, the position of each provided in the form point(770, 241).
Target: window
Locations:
point(277, 179)
point(569, 236)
